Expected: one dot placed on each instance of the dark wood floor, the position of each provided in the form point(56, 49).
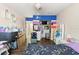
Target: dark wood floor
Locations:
point(18, 51)
point(46, 41)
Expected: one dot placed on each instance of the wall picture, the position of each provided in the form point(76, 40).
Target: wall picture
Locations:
point(36, 27)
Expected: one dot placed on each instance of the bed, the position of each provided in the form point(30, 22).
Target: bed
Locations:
point(60, 49)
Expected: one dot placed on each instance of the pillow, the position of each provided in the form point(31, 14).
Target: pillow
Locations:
point(72, 40)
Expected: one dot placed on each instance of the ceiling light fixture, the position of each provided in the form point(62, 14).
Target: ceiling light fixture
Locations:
point(38, 6)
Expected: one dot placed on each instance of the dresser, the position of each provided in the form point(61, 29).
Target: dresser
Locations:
point(21, 41)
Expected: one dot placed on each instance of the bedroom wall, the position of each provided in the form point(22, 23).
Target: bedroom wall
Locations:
point(8, 22)
point(70, 17)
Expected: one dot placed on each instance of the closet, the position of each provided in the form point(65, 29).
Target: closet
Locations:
point(43, 26)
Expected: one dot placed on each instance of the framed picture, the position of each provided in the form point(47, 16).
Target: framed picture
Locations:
point(7, 14)
point(13, 18)
point(36, 27)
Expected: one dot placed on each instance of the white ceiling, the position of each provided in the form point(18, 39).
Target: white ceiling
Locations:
point(28, 9)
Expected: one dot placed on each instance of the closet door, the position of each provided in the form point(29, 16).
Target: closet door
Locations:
point(29, 30)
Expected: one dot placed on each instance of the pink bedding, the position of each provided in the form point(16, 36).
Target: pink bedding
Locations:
point(1, 46)
point(74, 46)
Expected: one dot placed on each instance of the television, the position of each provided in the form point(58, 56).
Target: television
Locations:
point(44, 22)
